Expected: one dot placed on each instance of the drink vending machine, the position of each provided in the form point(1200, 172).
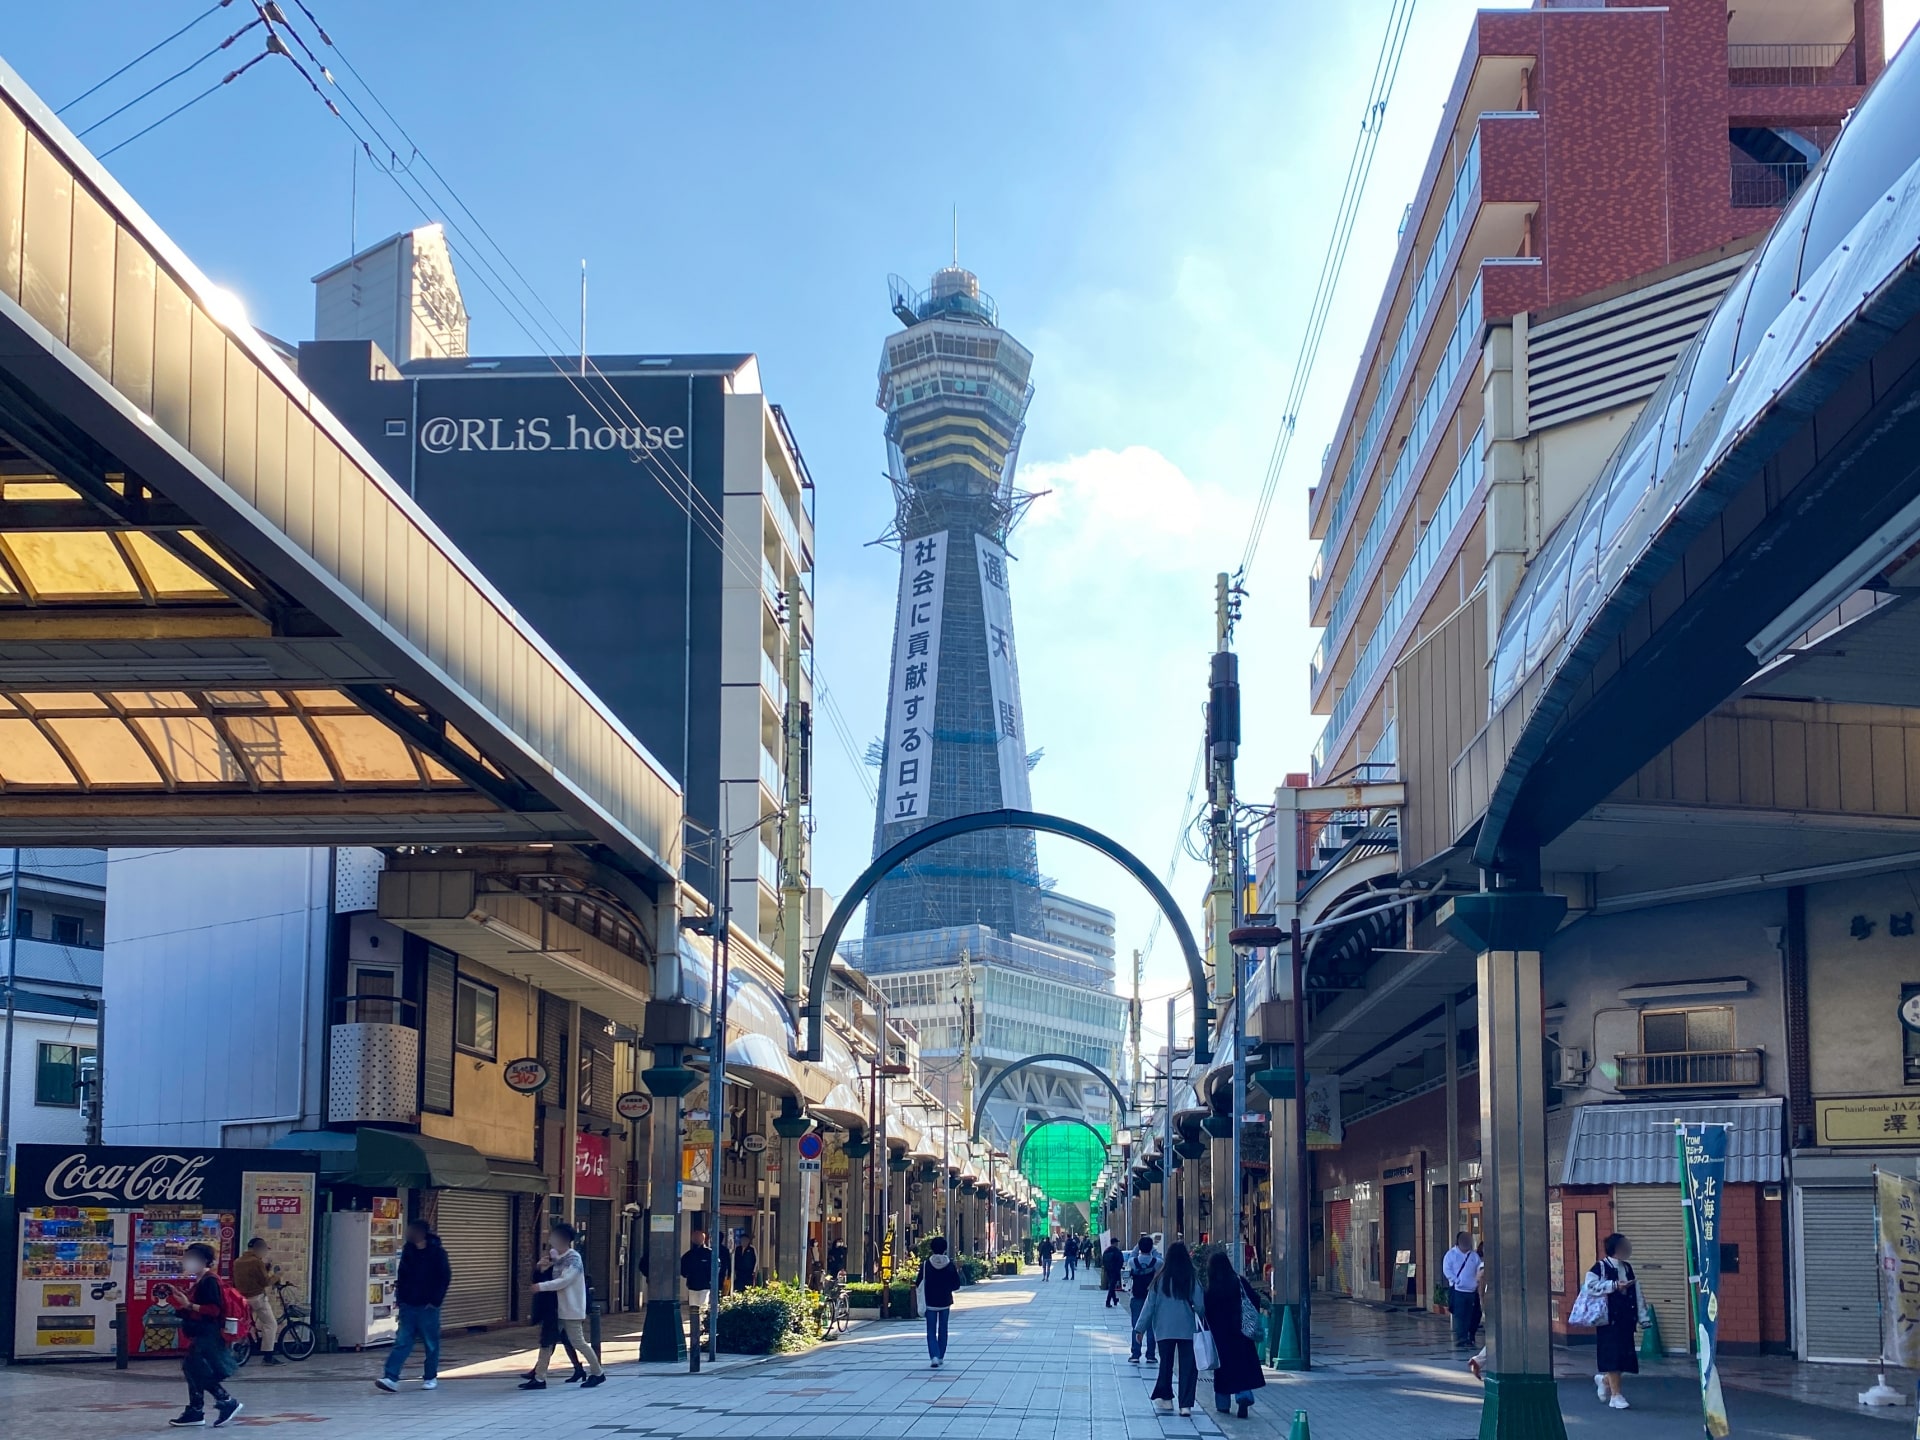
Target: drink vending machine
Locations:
point(102, 1226)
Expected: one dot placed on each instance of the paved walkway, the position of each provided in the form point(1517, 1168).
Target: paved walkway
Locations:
point(1028, 1361)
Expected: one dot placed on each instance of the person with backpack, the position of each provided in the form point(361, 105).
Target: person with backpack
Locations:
point(1112, 1261)
point(939, 1279)
point(206, 1307)
point(418, 1290)
point(1174, 1311)
point(568, 1284)
point(1233, 1315)
point(1142, 1265)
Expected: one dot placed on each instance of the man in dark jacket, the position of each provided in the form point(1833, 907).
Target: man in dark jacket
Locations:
point(746, 1265)
point(696, 1268)
point(203, 1327)
point(419, 1289)
point(1111, 1260)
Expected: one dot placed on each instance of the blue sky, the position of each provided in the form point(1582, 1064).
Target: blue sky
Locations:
point(1146, 189)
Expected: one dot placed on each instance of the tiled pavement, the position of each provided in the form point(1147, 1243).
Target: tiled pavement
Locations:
point(1028, 1361)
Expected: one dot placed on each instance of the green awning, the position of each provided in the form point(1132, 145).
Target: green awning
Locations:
point(380, 1159)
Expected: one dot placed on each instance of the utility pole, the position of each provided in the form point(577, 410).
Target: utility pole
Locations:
point(6, 1062)
point(796, 733)
point(1223, 748)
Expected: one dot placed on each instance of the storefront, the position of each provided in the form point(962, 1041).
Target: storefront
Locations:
point(99, 1225)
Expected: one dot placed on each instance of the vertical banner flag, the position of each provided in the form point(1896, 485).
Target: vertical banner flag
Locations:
point(1898, 1213)
point(916, 677)
point(1003, 668)
point(1703, 1175)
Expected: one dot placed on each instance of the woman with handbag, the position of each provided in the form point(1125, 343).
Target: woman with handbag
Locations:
point(1175, 1316)
point(1611, 1282)
point(1233, 1315)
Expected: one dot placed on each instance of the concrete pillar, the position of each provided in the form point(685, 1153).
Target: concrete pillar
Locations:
point(663, 1335)
point(856, 1236)
point(1191, 1174)
point(1222, 1224)
point(1508, 929)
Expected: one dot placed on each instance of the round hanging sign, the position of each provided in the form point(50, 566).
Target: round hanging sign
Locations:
point(634, 1105)
point(753, 1143)
point(525, 1076)
point(1910, 1012)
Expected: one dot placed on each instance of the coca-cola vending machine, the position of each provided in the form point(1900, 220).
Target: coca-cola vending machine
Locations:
point(103, 1225)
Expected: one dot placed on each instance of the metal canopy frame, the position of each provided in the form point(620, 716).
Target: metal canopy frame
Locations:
point(895, 855)
point(1009, 1071)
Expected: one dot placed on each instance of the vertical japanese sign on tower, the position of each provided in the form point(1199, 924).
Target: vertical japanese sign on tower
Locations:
point(916, 678)
point(1003, 668)
point(1703, 1175)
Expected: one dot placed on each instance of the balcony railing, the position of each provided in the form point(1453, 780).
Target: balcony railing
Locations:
point(1693, 1070)
point(1789, 64)
point(373, 1065)
point(1763, 185)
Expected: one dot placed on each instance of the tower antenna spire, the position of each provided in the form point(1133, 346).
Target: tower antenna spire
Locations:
point(956, 236)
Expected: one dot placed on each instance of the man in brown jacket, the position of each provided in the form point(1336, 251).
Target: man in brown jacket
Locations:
point(253, 1278)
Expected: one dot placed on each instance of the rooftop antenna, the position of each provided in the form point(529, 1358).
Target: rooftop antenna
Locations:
point(583, 315)
point(956, 237)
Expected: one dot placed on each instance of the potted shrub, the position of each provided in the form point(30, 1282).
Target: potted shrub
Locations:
point(864, 1299)
point(768, 1319)
point(902, 1301)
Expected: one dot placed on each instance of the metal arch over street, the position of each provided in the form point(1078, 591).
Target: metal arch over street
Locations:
point(980, 1105)
point(1087, 1125)
point(932, 835)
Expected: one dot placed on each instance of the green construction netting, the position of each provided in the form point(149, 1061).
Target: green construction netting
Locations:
point(1063, 1158)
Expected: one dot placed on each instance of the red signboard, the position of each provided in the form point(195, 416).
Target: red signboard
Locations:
point(590, 1166)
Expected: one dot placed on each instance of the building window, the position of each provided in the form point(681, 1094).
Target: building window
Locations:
point(1909, 1039)
point(1676, 1032)
point(66, 929)
point(26, 923)
point(56, 1080)
point(475, 1009)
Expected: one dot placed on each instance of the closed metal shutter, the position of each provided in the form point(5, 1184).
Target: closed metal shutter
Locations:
point(476, 1226)
point(1839, 1281)
point(1650, 1216)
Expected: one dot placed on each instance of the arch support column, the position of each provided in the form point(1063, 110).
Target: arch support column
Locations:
point(1508, 929)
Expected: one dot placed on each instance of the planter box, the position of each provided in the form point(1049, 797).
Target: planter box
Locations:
point(863, 1312)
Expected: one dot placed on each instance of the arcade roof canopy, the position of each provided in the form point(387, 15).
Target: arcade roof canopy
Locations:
point(220, 620)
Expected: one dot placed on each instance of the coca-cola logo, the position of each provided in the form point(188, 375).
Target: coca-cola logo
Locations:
point(161, 1179)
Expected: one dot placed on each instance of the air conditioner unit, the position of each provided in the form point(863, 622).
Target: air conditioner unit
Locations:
point(1573, 1066)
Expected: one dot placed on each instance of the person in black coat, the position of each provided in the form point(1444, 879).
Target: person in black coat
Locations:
point(208, 1362)
point(1112, 1259)
point(746, 1265)
point(1238, 1373)
point(1614, 1353)
point(418, 1289)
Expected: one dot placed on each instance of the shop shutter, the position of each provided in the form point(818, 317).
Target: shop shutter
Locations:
point(1650, 1216)
point(1839, 1281)
point(436, 1058)
point(476, 1226)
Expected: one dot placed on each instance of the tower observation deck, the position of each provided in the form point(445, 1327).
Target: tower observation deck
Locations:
point(955, 390)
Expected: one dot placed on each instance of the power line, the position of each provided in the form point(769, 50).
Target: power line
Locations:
point(1385, 71)
point(157, 46)
point(228, 79)
point(186, 69)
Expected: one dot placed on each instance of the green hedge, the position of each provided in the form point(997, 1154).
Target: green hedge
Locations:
point(973, 1269)
point(862, 1296)
point(768, 1319)
point(901, 1304)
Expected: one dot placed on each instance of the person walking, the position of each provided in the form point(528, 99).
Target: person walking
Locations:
point(418, 1290)
point(1142, 1265)
point(568, 1284)
point(1173, 1311)
point(1462, 1269)
point(1231, 1303)
point(1112, 1260)
point(1046, 1257)
point(545, 1312)
point(1614, 1353)
point(726, 1266)
point(696, 1272)
point(746, 1264)
point(1071, 1254)
point(208, 1362)
point(253, 1278)
point(939, 1278)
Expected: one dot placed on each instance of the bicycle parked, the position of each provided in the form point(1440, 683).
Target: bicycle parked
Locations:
point(836, 1314)
point(295, 1338)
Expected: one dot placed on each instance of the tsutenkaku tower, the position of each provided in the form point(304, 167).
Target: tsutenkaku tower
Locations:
point(955, 389)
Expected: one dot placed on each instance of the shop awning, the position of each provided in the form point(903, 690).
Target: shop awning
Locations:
point(383, 1159)
point(1634, 1145)
point(904, 1131)
point(833, 1084)
point(760, 1038)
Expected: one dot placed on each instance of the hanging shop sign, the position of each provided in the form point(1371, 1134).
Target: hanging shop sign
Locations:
point(590, 1167)
point(1868, 1120)
point(634, 1105)
point(1897, 1209)
point(1703, 1174)
point(754, 1143)
point(1910, 1011)
point(916, 679)
point(525, 1076)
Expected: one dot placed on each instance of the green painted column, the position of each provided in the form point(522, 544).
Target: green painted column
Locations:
point(1508, 929)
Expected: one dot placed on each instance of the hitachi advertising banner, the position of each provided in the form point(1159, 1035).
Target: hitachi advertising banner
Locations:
point(916, 678)
point(1898, 1214)
point(1703, 1175)
point(1003, 666)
